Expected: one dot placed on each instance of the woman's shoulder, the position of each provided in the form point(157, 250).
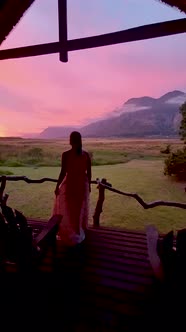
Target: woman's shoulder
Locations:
point(66, 154)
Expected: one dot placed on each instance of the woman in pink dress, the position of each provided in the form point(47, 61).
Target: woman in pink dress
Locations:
point(72, 192)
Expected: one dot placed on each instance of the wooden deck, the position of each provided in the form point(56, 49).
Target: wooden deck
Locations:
point(109, 277)
point(106, 284)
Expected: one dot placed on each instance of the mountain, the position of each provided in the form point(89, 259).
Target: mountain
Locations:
point(174, 97)
point(142, 101)
point(138, 117)
point(56, 132)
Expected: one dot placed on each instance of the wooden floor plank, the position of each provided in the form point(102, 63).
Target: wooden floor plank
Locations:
point(102, 254)
point(120, 239)
point(119, 246)
point(112, 251)
point(118, 264)
point(118, 232)
point(114, 259)
point(113, 272)
point(125, 268)
point(115, 275)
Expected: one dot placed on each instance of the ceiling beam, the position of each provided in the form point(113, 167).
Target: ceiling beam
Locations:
point(62, 17)
point(178, 4)
point(11, 12)
point(135, 34)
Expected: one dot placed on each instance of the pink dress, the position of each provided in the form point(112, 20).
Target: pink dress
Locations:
point(73, 200)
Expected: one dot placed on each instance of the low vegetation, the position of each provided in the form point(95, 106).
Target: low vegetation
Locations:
point(167, 150)
point(5, 172)
point(38, 153)
point(175, 164)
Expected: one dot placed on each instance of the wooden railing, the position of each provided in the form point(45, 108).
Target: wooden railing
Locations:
point(102, 185)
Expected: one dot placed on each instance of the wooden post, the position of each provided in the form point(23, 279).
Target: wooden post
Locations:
point(99, 205)
point(62, 17)
point(2, 188)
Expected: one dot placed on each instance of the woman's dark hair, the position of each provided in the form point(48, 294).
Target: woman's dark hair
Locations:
point(76, 141)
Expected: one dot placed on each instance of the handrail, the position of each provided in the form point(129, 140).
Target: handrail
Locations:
point(102, 185)
point(107, 186)
point(27, 180)
point(141, 201)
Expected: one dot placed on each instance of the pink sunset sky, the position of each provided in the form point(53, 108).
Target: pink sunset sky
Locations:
point(39, 92)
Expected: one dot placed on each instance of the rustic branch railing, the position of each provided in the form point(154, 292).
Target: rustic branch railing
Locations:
point(142, 202)
point(102, 185)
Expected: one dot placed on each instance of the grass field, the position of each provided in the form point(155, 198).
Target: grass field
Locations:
point(22, 152)
point(142, 176)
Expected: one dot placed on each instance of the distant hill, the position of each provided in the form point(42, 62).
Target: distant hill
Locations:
point(56, 132)
point(10, 138)
point(138, 117)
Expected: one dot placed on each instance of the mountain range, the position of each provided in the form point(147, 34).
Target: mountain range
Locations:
point(137, 117)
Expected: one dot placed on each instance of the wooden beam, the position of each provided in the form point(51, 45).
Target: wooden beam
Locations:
point(178, 4)
point(11, 12)
point(135, 34)
point(62, 17)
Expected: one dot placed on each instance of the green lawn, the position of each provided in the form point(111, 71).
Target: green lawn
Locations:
point(144, 177)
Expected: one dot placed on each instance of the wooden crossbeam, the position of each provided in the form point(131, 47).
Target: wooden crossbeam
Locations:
point(135, 34)
point(62, 17)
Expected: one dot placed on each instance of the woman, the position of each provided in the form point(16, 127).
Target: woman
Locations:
point(72, 192)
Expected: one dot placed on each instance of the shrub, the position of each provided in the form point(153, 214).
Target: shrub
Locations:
point(167, 150)
point(5, 172)
point(183, 123)
point(175, 164)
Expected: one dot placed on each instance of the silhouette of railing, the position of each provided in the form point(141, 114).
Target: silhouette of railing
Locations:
point(102, 186)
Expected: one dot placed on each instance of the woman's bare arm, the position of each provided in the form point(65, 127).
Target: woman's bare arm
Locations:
point(62, 173)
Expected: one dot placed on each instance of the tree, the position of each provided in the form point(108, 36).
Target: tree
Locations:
point(183, 123)
point(175, 164)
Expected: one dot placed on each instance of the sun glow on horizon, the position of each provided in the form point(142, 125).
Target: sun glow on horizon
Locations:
point(2, 131)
